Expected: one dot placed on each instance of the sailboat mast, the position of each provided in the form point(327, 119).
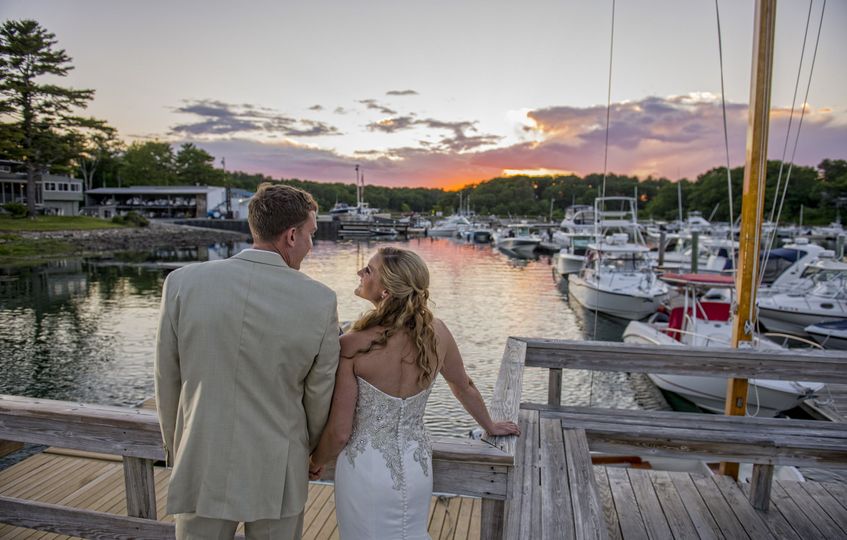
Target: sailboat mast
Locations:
point(752, 200)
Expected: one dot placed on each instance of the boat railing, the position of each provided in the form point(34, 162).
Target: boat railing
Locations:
point(461, 466)
point(791, 337)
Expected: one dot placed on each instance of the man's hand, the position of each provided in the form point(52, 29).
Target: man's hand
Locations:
point(315, 471)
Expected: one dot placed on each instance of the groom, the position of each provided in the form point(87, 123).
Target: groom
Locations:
point(245, 362)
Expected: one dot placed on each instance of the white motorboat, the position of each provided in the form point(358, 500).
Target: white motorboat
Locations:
point(450, 226)
point(571, 259)
point(830, 335)
point(697, 322)
point(517, 240)
point(786, 267)
point(826, 301)
point(477, 233)
point(579, 219)
point(617, 279)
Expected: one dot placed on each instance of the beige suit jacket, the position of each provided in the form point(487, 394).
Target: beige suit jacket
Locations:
point(245, 367)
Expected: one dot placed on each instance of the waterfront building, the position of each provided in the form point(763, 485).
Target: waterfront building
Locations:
point(166, 201)
point(54, 194)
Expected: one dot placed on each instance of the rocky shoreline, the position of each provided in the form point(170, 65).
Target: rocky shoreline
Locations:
point(155, 235)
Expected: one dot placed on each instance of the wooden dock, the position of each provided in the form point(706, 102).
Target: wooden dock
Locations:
point(541, 485)
point(562, 501)
point(636, 503)
point(96, 482)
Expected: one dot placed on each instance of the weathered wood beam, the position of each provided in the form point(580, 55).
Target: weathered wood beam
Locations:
point(506, 401)
point(491, 519)
point(760, 486)
point(748, 440)
point(91, 428)
point(826, 366)
point(140, 488)
point(554, 387)
point(589, 519)
point(80, 523)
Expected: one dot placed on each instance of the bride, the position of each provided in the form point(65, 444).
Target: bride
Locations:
point(389, 361)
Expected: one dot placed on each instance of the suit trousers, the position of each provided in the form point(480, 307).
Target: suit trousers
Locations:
point(194, 527)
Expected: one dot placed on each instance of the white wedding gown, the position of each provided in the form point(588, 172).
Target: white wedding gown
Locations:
point(383, 477)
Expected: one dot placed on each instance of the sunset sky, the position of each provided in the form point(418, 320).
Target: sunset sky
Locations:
point(444, 93)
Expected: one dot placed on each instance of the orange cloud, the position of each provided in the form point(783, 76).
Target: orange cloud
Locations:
point(680, 136)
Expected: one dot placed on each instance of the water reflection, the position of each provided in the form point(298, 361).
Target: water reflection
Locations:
point(84, 329)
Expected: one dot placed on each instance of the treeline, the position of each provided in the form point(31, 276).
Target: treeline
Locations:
point(819, 191)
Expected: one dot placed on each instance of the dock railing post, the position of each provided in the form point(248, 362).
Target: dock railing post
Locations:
point(140, 487)
point(492, 519)
point(554, 387)
point(695, 252)
point(504, 405)
point(760, 486)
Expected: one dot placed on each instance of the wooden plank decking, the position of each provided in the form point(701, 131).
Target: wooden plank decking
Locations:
point(96, 482)
point(557, 493)
point(636, 503)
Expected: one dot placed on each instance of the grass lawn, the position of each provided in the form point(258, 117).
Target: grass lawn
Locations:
point(14, 247)
point(55, 223)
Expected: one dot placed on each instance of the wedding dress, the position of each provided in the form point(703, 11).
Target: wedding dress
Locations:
point(383, 477)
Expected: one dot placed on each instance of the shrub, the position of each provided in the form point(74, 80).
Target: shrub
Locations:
point(18, 210)
point(133, 219)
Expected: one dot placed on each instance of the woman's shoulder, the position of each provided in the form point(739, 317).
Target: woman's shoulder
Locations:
point(439, 327)
point(351, 342)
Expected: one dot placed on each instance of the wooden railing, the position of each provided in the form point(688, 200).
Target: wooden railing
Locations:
point(460, 466)
point(787, 441)
point(463, 467)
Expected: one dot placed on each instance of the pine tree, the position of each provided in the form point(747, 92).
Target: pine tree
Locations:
point(43, 128)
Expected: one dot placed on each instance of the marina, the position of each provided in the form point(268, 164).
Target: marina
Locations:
point(608, 338)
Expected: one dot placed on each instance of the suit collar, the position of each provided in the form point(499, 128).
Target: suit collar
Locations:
point(261, 256)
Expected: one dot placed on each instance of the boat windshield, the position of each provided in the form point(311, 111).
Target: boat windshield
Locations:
point(830, 284)
point(631, 262)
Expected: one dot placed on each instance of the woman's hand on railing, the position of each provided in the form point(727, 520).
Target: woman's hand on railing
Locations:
point(500, 429)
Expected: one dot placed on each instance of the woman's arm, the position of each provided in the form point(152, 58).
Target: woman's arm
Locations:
point(463, 387)
point(339, 426)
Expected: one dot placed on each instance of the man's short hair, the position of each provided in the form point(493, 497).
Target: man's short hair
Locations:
point(275, 208)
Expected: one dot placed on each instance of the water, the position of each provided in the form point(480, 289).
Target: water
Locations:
point(84, 329)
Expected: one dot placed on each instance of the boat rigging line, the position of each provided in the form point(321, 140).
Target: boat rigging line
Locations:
point(605, 164)
point(772, 235)
point(608, 100)
point(726, 143)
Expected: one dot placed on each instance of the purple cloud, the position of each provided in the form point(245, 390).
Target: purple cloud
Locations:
point(219, 118)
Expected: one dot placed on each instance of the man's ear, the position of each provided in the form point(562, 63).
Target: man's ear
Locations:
point(290, 236)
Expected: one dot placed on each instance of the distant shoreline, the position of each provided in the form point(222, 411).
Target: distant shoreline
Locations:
point(40, 245)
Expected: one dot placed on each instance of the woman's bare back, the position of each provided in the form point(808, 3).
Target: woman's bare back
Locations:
point(392, 367)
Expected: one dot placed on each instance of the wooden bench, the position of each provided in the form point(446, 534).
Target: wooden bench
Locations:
point(552, 492)
point(765, 442)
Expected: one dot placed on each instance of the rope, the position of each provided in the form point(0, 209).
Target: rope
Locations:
point(726, 144)
point(776, 196)
point(608, 101)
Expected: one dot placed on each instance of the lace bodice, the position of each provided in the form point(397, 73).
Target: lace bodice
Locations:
point(392, 425)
